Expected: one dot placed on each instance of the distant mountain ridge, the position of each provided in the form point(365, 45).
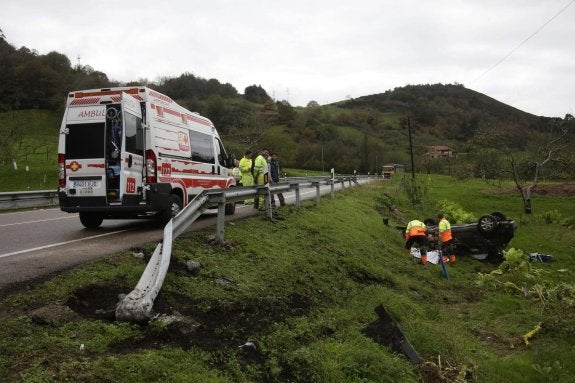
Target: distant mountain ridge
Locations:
point(452, 108)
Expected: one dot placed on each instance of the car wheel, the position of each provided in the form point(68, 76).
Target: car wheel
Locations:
point(487, 224)
point(499, 216)
point(91, 220)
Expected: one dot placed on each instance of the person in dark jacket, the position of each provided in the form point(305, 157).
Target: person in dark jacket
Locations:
point(275, 178)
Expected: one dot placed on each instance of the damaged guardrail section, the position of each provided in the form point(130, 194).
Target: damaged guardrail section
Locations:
point(138, 304)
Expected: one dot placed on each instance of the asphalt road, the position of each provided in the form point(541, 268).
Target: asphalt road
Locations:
point(42, 242)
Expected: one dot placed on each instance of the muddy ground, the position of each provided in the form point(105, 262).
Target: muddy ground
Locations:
point(558, 190)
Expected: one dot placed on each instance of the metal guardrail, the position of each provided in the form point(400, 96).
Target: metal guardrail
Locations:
point(137, 305)
point(27, 199)
point(38, 198)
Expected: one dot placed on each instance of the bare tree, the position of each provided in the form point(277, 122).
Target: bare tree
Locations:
point(547, 151)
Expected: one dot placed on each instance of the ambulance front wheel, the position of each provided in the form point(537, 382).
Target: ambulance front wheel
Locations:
point(91, 220)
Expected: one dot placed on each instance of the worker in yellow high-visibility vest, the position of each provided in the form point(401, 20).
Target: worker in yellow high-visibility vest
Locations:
point(246, 177)
point(415, 233)
point(445, 237)
point(261, 175)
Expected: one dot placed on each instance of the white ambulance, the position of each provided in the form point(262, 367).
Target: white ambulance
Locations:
point(132, 152)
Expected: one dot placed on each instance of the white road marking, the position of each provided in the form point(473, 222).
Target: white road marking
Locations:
point(40, 220)
point(62, 243)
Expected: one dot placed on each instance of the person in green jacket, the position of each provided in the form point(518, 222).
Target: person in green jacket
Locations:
point(246, 177)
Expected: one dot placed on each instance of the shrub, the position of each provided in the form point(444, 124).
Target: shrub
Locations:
point(454, 212)
point(550, 217)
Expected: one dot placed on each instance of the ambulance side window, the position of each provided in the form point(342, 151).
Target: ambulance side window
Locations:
point(202, 147)
point(134, 134)
point(222, 155)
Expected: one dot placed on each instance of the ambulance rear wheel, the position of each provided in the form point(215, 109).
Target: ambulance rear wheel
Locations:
point(175, 206)
point(91, 220)
point(230, 208)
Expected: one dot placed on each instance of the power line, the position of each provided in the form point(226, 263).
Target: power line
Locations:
point(524, 41)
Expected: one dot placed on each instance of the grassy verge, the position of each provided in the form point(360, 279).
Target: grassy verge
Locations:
point(33, 165)
point(303, 290)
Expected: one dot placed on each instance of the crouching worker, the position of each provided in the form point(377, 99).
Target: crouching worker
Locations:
point(445, 237)
point(415, 233)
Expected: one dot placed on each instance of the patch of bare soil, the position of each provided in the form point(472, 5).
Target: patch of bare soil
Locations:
point(500, 342)
point(366, 278)
point(209, 325)
point(555, 190)
point(445, 372)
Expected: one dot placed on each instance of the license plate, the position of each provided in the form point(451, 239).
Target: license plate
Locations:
point(86, 184)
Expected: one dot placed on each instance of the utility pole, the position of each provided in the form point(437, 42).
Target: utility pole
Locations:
point(411, 148)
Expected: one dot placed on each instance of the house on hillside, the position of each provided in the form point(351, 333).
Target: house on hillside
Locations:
point(440, 151)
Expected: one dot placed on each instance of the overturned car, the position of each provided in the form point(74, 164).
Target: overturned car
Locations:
point(485, 239)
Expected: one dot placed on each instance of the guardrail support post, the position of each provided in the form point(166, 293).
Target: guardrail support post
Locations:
point(221, 223)
point(317, 193)
point(268, 202)
point(297, 195)
point(331, 183)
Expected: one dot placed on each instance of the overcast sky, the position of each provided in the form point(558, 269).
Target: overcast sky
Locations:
point(520, 52)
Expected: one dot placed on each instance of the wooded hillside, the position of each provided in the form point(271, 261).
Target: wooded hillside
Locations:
point(359, 134)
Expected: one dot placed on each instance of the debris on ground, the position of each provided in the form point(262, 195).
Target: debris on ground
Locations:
point(540, 257)
point(385, 331)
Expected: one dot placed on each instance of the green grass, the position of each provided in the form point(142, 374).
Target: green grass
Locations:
point(35, 154)
point(302, 290)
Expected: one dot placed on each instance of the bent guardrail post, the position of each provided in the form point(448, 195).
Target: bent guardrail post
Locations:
point(137, 305)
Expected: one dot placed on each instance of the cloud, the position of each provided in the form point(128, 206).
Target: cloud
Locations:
point(318, 50)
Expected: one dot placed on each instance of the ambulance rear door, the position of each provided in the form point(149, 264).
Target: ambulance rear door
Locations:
point(84, 154)
point(132, 153)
